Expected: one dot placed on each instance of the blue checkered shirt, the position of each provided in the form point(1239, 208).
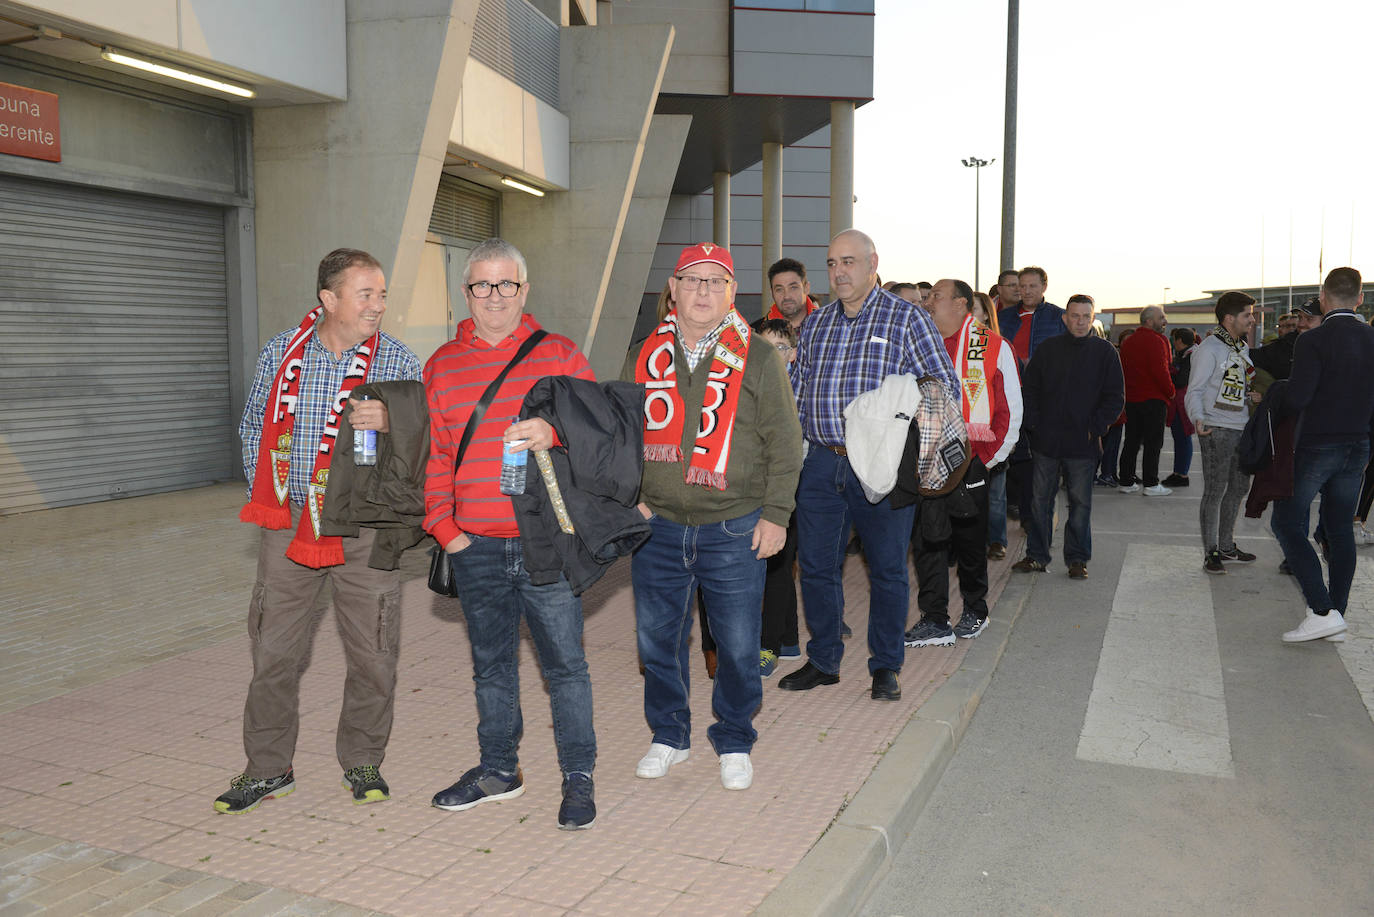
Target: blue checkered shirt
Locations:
point(321, 378)
point(840, 358)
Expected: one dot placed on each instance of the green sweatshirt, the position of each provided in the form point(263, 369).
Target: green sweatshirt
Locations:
point(765, 448)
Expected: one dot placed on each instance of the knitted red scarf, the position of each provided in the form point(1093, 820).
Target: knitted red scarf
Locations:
point(267, 506)
point(664, 410)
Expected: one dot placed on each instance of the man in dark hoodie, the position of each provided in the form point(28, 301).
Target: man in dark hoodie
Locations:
point(1072, 391)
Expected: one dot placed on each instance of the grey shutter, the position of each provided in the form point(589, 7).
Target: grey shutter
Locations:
point(114, 353)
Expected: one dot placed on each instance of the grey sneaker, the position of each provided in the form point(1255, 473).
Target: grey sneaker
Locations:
point(247, 793)
point(928, 633)
point(970, 626)
point(367, 784)
point(479, 785)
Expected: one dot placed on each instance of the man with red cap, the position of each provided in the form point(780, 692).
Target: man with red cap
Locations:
point(722, 452)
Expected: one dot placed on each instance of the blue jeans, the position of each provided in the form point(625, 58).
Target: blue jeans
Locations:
point(1183, 446)
point(1111, 449)
point(997, 507)
point(495, 591)
point(830, 499)
point(1078, 534)
point(1334, 471)
point(666, 571)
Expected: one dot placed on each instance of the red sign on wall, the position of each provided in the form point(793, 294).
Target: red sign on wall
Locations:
point(28, 123)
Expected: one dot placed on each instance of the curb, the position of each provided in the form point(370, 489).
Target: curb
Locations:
point(837, 873)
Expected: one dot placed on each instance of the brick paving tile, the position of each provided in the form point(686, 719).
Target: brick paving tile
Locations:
point(507, 906)
point(617, 898)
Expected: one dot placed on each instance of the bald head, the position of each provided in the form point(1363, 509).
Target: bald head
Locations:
point(1153, 317)
point(853, 265)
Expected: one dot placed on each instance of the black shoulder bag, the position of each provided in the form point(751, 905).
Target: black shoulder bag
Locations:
point(440, 572)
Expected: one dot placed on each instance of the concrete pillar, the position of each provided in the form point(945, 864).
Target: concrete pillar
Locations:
point(841, 167)
point(720, 208)
point(772, 208)
point(360, 173)
point(610, 78)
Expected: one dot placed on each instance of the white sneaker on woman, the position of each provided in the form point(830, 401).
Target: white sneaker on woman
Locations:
point(1315, 627)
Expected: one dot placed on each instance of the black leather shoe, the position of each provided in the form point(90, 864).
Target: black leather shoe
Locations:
point(885, 685)
point(806, 678)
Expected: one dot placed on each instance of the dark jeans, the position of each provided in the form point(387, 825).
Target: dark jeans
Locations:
point(1334, 471)
point(1144, 428)
point(1078, 536)
point(780, 595)
point(495, 591)
point(1111, 451)
point(830, 499)
point(1183, 445)
point(968, 540)
point(665, 572)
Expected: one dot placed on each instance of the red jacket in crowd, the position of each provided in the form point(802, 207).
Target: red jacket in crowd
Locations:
point(1146, 358)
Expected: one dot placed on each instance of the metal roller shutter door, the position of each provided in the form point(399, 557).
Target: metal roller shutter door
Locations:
point(114, 358)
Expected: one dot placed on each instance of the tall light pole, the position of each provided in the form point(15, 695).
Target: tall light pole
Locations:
point(976, 165)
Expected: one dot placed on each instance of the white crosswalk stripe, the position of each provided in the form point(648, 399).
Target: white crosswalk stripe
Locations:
point(1357, 652)
point(1157, 699)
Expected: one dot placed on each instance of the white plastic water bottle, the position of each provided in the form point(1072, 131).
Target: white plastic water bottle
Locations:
point(513, 468)
point(364, 443)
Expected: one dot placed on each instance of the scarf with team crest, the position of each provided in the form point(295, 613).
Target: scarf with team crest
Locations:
point(268, 503)
point(977, 350)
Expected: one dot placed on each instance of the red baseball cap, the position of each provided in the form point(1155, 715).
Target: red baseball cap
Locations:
point(705, 252)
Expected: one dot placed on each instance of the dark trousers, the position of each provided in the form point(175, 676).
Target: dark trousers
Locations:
point(1144, 429)
point(780, 595)
point(1111, 452)
point(968, 541)
point(367, 610)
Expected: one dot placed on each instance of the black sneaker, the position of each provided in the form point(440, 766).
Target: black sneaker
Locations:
point(579, 808)
point(247, 793)
point(1212, 563)
point(1175, 480)
point(928, 633)
point(970, 626)
point(1236, 555)
point(1028, 565)
point(367, 784)
point(479, 785)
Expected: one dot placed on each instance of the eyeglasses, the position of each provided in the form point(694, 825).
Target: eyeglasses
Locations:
point(691, 282)
point(783, 348)
point(482, 289)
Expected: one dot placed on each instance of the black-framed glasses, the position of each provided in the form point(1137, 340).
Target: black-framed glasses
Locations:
point(482, 288)
point(691, 283)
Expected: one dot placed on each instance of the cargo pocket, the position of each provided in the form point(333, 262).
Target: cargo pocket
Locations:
point(255, 612)
point(389, 622)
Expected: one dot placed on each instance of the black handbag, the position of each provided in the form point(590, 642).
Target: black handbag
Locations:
point(440, 570)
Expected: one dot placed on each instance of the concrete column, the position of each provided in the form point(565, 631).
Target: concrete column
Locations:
point(772, 207)
point(360, 173)
point(720, 208)
point(841, 167)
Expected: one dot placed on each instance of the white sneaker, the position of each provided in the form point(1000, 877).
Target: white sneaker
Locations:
point(1315, 626)
point(736, 771)
point(1336, 638)
point(1363, 535)
point(659, 759)
point(1158, 490)
point(1129, 488)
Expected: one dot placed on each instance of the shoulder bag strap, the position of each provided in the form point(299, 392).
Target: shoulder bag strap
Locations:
point(479, 410)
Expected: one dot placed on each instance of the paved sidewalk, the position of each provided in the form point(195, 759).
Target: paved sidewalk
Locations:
point(123, 666)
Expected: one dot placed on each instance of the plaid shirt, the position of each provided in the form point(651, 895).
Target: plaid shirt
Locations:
point(321, 378)
point(839, 358)
point(704, 347)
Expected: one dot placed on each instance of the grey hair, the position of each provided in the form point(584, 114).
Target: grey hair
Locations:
point(495, 249)
point(1149, 312)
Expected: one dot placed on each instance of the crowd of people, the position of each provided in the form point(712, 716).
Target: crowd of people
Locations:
point(731, 461)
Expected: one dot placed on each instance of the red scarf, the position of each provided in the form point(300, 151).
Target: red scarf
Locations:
point(664, 410)
point(267, 505)
point(975, 363)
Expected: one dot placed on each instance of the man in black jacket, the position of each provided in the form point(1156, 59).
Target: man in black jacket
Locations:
point(1072, 391)
point(1332, 386)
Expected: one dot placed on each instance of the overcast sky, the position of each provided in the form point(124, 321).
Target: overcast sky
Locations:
point(1157, 142)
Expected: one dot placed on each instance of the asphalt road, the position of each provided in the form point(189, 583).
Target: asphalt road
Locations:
point(1126, 761)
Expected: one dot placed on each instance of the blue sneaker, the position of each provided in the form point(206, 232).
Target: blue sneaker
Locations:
point(844, 630)
point(768, 661)
point(479, 785)
point(794, 651)
point(578, 810)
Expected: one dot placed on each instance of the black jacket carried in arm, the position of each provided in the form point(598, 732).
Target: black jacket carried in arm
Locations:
point(597, 464)
point(390, 495)
point(1073, 391)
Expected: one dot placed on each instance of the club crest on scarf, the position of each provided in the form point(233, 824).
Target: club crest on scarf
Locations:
point(977, 349)
point(663, 407)
point(267, 504)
